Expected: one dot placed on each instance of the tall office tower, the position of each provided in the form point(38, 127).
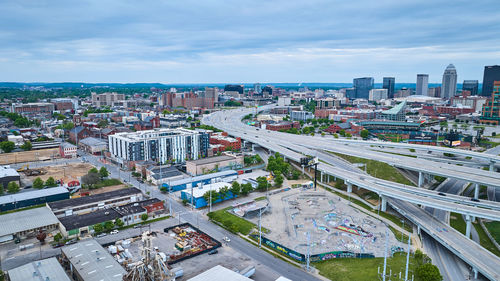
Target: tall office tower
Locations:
point(422, 84)
point(362, 87)
point(257, 88)
point(472, 86)
point(449, 86)
point(491, 109)
point(388, 83)
point(491, 74)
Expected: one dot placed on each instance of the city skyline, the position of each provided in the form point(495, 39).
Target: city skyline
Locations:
point(211, 42)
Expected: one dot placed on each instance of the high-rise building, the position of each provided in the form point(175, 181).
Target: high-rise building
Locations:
point(362, 87)
point(491, 109)
point(435, 92)
point(257, 88)
point(422, 85)
point(377, 94)
point(388, 83)
point(491, 74)
point(449, 86)
point(159, 145)
point(472, 86)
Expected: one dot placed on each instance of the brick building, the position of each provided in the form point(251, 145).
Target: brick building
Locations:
point(285, 125)
point(226, 141)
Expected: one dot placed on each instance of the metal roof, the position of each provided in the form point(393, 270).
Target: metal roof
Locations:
point(93, 262)
point(37, 193)
point(199, 192)
point(219, 273)
point(93, 141)
point(26, 220)
point(42, 270)
point(203, 177)
point(395, 110)
point(75, 202)
point(88, 219)
point(7, 171)
point(209, 160)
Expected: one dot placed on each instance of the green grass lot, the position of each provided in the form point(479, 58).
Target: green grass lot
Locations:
point(378, 169)
point(233, 223)
point(363, 269)
point(485, 240)
point(457, 222)
point(494, 229)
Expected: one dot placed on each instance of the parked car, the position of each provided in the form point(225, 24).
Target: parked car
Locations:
point(226, 239)
point(442, 194)
point(213, 252)
point(101, 235)
point(474, 200)
point(114, 231)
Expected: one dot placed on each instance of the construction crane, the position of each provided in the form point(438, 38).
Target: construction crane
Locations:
point(151, 267)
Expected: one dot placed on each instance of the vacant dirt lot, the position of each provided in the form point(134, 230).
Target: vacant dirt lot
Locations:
point(66, 172)
point(29, 156)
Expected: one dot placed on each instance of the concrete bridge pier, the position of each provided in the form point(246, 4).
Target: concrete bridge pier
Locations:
point(302, 169)
point(418, 229)
point(349, 187)
point(420, 179)
point(492, 166)
point(476, 191)
point(468, 221)
point(475, 273)
point(383, 204)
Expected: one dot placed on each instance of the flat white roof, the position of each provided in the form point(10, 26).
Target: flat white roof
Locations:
point(93, 262)
point(25, 220)
point(198, 192)
point(7, 171)
point(219, 273)
point(37, 193)
point(47, 269)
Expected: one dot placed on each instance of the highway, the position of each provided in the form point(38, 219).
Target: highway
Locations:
point(475, 255)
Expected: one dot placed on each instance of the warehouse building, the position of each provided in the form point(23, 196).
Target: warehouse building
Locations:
point(198, 192)
point(216, 163)
point(89, 261)
point(8, 174)
point(95, 202)
point(42, 270)
point(81, 225)
point(27, 223)
point(225, 176)
point(93, 145)
point(159, 145)
point(31, 198)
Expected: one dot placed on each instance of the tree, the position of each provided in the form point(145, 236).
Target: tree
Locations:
point(68, 126)
point(235, 188)
point(109, 225)
point(91, 179)
point(50, 182)
point(364, 134)
point(278, 180)
point(214, 196)
point(103, 172)
point(7, 146)
point(119, 222)
point(246, 188)
point(93, 170)
point(144, 217)
point(428, 272)
point(38, 183)
point(103, 123)
point(262, 183)
point(57, 237)
point(163, 189)
point(342, 132)
point(26, 146)
point(13, 187)
point(98, 228)
point(295, 175)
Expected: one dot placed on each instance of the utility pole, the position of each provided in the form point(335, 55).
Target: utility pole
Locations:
point(385, 254)
point(260, 228)
point(308, 255)
point(407, 258)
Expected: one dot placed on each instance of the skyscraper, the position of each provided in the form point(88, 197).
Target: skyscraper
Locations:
point(257, 88)
point(471, 86)
point(491, 109)
point(491, 74)
point(449, 86)
point(388, 84)
point(422, 84)
point(362, 87)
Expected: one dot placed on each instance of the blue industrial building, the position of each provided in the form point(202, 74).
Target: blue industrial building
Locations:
point(31, 198)
point(198, 192)
point(182, 184)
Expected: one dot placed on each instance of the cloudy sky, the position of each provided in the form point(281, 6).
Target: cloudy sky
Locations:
point(245, 41)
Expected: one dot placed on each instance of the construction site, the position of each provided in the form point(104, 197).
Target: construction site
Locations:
point(319, 222)
point(29, 156)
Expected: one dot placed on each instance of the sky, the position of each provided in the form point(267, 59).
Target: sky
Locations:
point(245, 41)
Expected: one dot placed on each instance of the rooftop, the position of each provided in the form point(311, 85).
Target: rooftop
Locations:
point(47, 269)
point(219, 273)
point(93, 262)
point(93, 142)
point(199, 191)
point(36, 193)
point(155, 133)
point(395, 110)
point(26, 220)
point(93, 198)
point(166, 172)
point(204, 177)
point(7, 171)
point(214, 159)
point(99, 216)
